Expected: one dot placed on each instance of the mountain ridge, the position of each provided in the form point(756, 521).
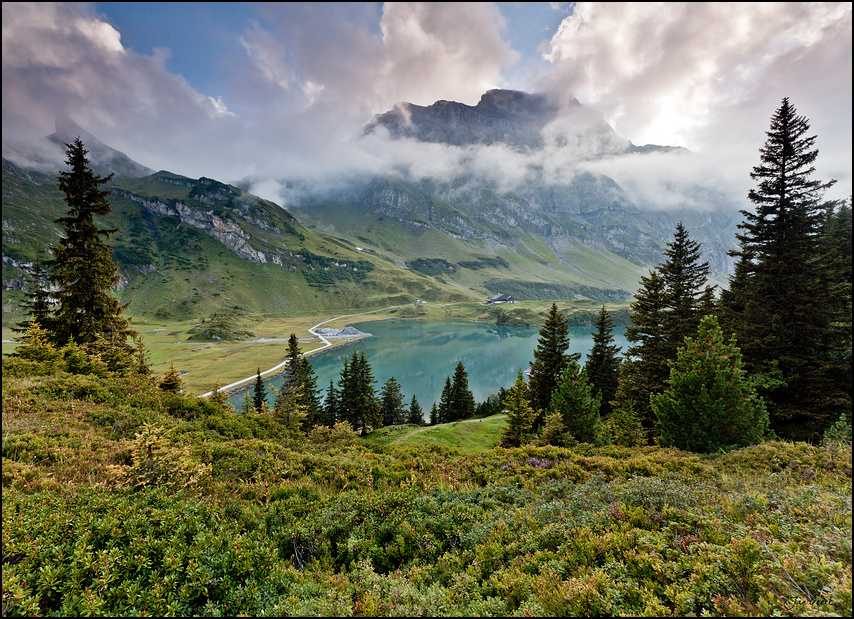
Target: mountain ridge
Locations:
point(579, 237)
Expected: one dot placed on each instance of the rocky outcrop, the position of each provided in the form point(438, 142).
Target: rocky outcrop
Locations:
point(226, 231)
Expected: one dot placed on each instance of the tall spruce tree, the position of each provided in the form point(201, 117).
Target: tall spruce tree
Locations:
point(550, 359)
point(461, 404)
point(299, 389)
point(603, 361)
point(391, 403)
point(710, 403)
point(644, 369)
point(667, 308)
point(332, 405)
point(415, 415)
point(259, 392)
point(519, 424)
point(687, 296)
point(443, 412)
point(359, 404)
point(82, 270)
point(780, 302)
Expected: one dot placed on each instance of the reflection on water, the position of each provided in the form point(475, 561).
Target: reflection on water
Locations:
point(421, 355)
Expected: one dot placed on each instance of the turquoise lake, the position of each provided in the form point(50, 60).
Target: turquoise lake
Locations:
point(422, 354)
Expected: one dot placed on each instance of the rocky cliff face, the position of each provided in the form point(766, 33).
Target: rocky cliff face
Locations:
point(501, 116)
point(227, 231)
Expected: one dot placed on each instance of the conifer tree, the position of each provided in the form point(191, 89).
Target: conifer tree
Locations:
point(780, 301)
point(519, 424)
point(687, 297)
point(359, 404)
point(434, 415)
point(443, 413)
point(37, 301)
point(577, 404)
point(35, 345)
point(461, 403)
point(554, 432)
point(710, 403)
point(391, 403)
point(246, 406)
point(644, 370)
point(259, 392)
point(82, 270)
point(415, 415)
point(299, 388)
point(332, 405)
point(667, 307)
point(550, 359)
point(603, 361)
point(172, 380)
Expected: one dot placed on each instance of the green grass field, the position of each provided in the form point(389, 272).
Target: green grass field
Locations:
point(468, 436)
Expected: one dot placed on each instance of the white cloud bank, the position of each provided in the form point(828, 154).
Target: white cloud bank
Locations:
point(704, 75)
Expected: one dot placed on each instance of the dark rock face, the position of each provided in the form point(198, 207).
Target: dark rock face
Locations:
point(502, 116)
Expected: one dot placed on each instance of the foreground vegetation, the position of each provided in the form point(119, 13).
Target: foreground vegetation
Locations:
point(123, 499)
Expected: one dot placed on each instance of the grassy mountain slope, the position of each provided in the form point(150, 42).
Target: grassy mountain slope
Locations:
point(188, 247)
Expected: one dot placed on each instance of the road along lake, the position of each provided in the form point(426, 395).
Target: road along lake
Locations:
point(422, 354)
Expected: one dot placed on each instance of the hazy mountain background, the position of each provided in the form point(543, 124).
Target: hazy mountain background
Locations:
point(515, 199)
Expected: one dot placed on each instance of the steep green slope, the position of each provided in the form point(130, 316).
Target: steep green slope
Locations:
point(187, 247)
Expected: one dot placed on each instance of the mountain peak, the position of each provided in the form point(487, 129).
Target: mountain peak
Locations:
point(510, 117)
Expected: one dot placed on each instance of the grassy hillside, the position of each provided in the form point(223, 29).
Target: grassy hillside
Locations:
point(190, 247)
point(120, 499)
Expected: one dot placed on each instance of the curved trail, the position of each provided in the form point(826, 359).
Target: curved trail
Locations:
point(326, 344)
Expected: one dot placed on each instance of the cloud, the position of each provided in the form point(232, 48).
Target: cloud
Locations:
point(705, 75)
point(709, 76)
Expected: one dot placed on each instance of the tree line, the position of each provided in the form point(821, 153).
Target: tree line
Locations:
point(768, 356)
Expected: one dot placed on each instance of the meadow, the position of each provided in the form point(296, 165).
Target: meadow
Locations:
point(120, 499)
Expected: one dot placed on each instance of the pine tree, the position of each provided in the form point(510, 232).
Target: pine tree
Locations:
point(550, 359)
point(332, 405)
point(644, 370)
point(710, 403)
point(434, 415)
point(37, 301)
point(780, 302)
point(359, 404)
point(82, 270)
point(172, 380)
point(687, 296)
point(603, 362)
point(35, 345)
point(626, 426)
point(461, 403)
point(519, 425)
point(299, 388)
point(391, 403)
point(443, 414)
point(259, 392)
point(415, 415)
point(577, 404)
point(554, 432)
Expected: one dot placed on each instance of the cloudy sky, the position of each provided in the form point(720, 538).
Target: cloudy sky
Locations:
point(271, 91)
